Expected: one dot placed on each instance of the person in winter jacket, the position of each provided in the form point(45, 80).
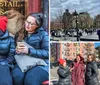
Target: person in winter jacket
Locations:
point(91, 75)
point(64, 73)
point(7, 52)
point(37, 38)
point(77, 75)
point(98, 33)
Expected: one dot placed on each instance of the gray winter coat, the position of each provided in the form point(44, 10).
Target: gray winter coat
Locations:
point(64, 76)
point(91, 75)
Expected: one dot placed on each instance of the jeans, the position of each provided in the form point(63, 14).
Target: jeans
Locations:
point(5, 75)
point(34, 76)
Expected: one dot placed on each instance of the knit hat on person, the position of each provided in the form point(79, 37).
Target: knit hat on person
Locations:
point(61, 61)
point(3, 23)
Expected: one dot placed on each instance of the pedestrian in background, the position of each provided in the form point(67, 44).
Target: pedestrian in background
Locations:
point(91, 75)
point(77, 74)
point(64, 73)
point(98, 33)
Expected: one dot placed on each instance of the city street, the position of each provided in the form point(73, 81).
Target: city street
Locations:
point(85, 37)
point(54, 76)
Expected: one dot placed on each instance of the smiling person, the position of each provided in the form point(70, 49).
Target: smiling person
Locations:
point(77, 74)
point(91, 75)
point(38, 39)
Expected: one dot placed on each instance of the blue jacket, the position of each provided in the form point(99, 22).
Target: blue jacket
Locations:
point(98, 32)
point(7, 48)
point(40, 43)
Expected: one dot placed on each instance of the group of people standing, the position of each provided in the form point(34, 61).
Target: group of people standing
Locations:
point(79, 73)
point(37, 37)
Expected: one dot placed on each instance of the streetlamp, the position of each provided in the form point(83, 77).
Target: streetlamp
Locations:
point(76, 21)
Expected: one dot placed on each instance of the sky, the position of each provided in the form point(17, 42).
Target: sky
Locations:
point(96, 44)
point(90, 6)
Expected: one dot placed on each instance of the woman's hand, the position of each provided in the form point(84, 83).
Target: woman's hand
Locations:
point(18, 51)
point(23, 50)
point(71, 69)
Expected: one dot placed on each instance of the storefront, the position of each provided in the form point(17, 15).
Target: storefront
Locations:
point(27, 6)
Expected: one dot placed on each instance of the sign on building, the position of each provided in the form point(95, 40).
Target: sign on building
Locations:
point(6, 5)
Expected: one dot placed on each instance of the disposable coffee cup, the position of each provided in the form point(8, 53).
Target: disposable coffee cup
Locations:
point(20, 45)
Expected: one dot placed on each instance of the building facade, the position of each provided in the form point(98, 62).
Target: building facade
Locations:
point(55, 51)
point(70, 50)
point(84, 21)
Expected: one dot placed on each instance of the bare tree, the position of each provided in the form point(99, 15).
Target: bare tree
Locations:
point(97, 21)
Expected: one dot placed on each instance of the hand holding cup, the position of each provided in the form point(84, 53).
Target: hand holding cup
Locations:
point(21, 48)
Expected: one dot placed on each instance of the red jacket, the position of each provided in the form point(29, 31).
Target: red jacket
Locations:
point(77, 75)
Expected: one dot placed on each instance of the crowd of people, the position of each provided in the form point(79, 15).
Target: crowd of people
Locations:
point(79, 72)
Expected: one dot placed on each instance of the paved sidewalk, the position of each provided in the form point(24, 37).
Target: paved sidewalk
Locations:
point(54, 76)
point(85, 37)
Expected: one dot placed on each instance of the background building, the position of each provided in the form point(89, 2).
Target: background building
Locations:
point(67, 21)
point(70, 50)
point(84, 21)
point(55, 51)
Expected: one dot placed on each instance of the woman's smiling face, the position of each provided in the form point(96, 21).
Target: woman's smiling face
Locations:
point(78, 58)
point(90, 58)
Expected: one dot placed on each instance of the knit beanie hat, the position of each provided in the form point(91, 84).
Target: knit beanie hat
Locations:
point(61, 61)
point(3, 23)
